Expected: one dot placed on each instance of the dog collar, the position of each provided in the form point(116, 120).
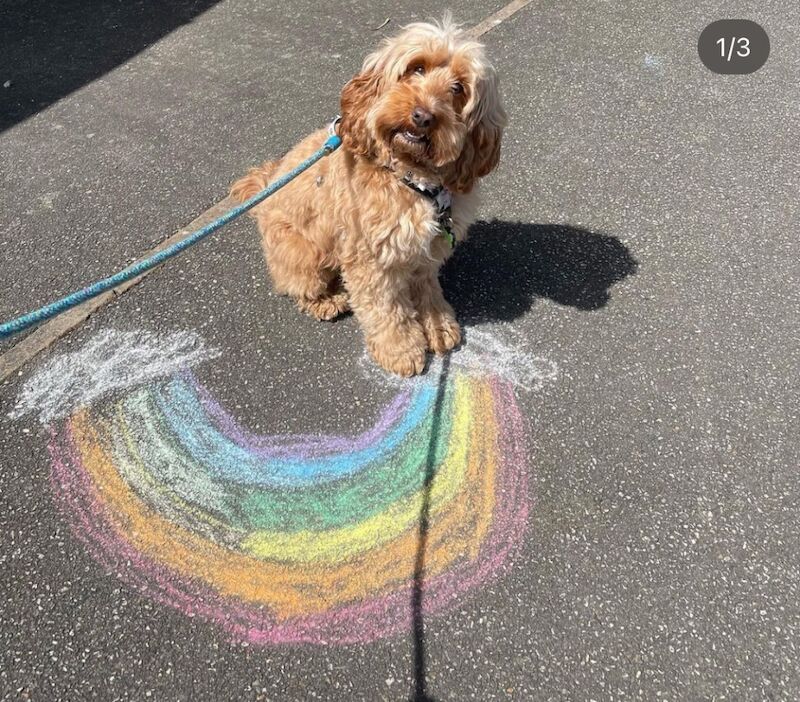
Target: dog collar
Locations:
point(442, 200)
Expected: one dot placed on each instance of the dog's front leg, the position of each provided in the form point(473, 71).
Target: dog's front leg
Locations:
point(381, 300)
point(435, 314)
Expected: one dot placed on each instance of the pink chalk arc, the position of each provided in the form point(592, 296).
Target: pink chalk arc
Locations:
point(104, 477)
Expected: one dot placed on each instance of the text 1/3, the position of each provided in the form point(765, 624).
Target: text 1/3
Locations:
point(733, 46)
point(742, 51)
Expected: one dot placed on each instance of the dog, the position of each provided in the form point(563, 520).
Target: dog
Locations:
point(368, 228)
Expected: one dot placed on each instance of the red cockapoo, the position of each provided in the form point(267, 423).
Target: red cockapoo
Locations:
point(369, 227)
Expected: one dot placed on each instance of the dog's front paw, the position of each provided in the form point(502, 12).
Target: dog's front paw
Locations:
point(400, 353)
point(442, 332)
point(326, 308)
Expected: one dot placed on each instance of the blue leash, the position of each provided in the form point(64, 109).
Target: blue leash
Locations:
point(19, 324)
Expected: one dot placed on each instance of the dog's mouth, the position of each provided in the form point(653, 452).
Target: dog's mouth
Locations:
point(416, 143)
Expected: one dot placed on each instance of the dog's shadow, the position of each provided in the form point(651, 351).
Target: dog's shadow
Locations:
point(503, 267)
point(497, 276)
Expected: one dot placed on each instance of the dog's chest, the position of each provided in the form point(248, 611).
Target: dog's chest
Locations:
point(397, 225)
point(412, 237)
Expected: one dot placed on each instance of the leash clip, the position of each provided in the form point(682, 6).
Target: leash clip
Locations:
point(334, 141)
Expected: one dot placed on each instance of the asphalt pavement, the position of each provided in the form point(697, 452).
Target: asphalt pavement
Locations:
point(624, 522)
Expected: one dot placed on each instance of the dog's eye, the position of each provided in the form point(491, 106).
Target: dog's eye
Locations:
point(457, 88)
point(419, 70)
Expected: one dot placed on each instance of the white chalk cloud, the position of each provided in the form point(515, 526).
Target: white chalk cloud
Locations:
point(112, 360)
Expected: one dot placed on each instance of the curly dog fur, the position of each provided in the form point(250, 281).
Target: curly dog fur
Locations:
point(348, 233)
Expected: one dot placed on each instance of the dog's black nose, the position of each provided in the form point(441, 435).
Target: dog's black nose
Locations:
point(422, 118)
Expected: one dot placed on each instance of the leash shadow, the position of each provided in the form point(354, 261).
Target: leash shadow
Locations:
point(420, 682)
point(504, 267)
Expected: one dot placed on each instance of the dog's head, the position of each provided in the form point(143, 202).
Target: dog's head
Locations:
point(427, 99)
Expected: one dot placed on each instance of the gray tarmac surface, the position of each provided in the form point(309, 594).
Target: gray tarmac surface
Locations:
point(640, 233)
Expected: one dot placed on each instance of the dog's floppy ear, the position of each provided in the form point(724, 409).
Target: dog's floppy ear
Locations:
point(358, 96)
point(479, 157)
point(481, 151)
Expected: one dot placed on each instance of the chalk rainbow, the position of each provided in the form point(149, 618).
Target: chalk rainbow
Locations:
point(296, 538)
